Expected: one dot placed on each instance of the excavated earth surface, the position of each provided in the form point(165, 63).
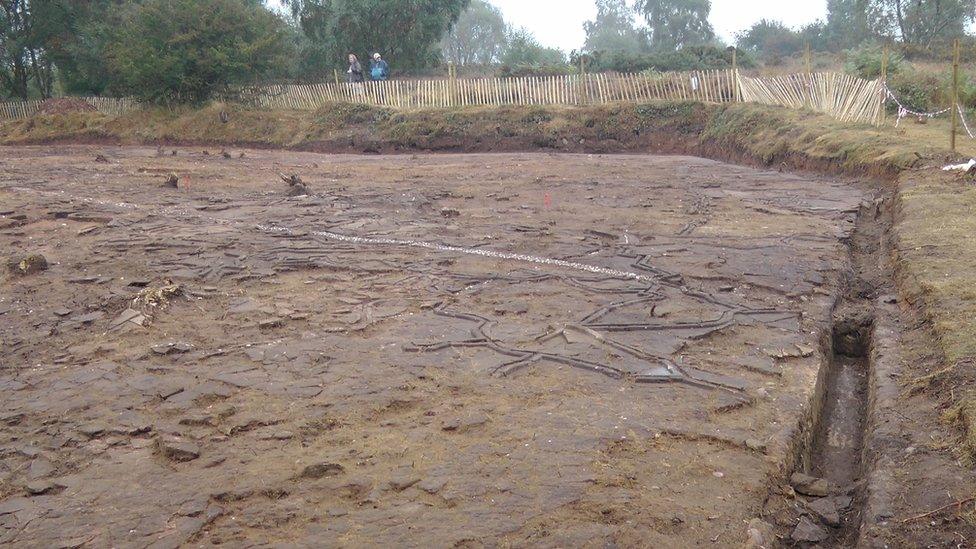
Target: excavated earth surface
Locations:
point(221, 363)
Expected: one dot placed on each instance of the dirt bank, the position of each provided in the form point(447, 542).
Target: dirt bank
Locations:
point(742, 133)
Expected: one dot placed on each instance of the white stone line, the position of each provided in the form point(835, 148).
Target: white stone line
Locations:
point(508, 256)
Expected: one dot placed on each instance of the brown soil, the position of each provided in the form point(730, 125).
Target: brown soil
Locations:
point(213, 364)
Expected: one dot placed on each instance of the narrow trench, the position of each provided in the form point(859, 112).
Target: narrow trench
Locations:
point(835, 449)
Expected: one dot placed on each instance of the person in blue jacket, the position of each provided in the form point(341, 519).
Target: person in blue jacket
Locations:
point(379, 69)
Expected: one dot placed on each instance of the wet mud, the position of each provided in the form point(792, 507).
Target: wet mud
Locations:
point(507, 349)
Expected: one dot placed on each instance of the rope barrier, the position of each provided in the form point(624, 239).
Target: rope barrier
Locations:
point(964, 123)
point(904, 112)
point(902, 107)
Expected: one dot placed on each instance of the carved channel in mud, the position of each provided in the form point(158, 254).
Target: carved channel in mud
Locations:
point(829, 481)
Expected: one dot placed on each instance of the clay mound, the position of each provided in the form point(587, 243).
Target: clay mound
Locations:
point(65, 105)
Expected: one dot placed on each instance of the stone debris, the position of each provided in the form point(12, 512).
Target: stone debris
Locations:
point(101, 159)
point(40, 467)
point(403, 479)
point(761, 535)
point(450, 213)
point(178, 450)
point(172, 182)
point(808, 531)
point(88, 318)
point(278, 435)
point(826, 510)
point(129, 318)
point(432, 485)
point(171, 348)
point(322, 470)
point(271, 323)
point(810, 486)
point(462, 424)
point(797, 351)
point(31, 264)
point(39, 487)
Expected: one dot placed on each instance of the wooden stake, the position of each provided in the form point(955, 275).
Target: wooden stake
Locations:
point(452, 75)
point(884, 82)
point(955, 96)
point(584, 91)
point(736, 96)
point(808, 57)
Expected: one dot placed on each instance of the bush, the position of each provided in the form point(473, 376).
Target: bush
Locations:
point(506, 71)
point(192, 50)
point(866, 60)
point(917, 91)
point(685, 59)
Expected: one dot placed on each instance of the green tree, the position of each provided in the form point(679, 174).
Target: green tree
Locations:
point(523, 49)
point(614, 29)
point(675, 24)
point(190, 50)
point(478, 37)
point(406, 32)
point(771, 38)
point(921, 22)
point(25, 67)
point(847, 23)
point(74, 34)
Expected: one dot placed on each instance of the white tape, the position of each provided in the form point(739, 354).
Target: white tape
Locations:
point(469, 251)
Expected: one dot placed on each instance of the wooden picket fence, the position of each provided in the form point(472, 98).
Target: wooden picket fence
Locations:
point(13, 110)
point(716, 86)
point(844, 97)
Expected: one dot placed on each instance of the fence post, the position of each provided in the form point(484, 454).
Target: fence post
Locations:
point(336, 73)
point(735, 75)
point(955, 95)
point(808, 61)
point(884, 83)
point(452, 83)
point(584, 90)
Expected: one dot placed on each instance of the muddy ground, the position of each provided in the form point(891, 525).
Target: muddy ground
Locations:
point(540, 349)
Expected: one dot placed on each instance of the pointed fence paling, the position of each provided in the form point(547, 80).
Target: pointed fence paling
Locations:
point(13, 110)
point(716, 86)
point(842, 96)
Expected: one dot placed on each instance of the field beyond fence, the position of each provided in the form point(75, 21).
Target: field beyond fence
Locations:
point(845, 97)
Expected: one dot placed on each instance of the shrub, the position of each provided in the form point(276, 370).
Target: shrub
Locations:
point(866, 60)
point(192, 50)
point(506, 71)
point(915, 90)
point(685, 59)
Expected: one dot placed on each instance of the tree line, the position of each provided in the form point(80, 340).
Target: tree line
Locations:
point(192, 50)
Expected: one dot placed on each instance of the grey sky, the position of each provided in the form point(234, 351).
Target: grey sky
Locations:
point(559, 23)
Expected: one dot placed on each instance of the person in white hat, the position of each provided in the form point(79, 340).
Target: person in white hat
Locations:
point(379, 69)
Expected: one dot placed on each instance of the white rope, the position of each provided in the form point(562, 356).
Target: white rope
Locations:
point(508, 256)
point(964, 123)
point(469, 251)
point(904, 111)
